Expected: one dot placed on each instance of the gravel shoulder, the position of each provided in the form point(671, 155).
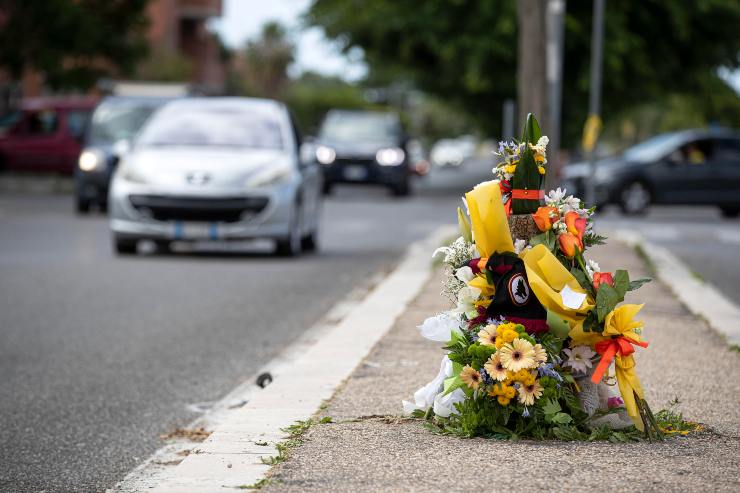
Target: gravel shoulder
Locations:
point(370, 447)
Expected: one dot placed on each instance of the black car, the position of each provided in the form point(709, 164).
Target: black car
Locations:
point(697, 167)
point(363, 147)
point(112, 126)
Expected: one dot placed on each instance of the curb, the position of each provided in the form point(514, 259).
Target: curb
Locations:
point(231, 457)
point(700, 298)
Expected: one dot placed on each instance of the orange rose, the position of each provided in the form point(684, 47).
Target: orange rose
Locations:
point(544, 217)
point(575, 224)
point(603, 278)
point(570, 244)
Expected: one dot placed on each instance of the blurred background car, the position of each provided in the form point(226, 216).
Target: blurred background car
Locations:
point(46, 134)
point(216, 169)
point(363, 147)
point(697, 167)
point(110, 131)
point(453, 152)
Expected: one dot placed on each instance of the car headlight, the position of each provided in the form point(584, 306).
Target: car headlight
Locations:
point(91, 160)
point(325, 155)
point(391, 156)
point(130, 173)
point(271, 177)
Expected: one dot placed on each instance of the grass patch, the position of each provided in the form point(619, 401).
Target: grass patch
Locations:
point(296, 433)
point(256, 485)
point(649, 264)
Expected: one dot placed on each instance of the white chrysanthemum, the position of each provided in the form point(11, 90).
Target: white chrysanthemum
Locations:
point(519, 246)
point(579, 358)
point(555, 197)
point(465, 274)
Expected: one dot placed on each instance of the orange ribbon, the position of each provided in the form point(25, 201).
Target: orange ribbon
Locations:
point(524, 194)
point(609, 348)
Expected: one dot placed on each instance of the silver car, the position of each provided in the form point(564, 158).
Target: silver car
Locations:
point(216, 169)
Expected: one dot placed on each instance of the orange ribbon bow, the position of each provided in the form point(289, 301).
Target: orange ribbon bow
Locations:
point(608, 348)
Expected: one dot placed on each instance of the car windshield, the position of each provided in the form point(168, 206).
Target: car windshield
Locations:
point(218, 127)
point(354, 127)
point(114, 122)
point(654, 148)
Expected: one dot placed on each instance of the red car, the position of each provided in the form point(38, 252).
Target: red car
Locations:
point(47, 135)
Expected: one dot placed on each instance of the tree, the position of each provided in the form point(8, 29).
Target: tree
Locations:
point(264, 70)
point(72, 42)
point(465, 50)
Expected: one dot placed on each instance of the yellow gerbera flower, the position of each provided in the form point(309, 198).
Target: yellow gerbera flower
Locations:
point(529, 393)
point(517, 355)
point(494, 367)
point(471, 377)
point(487, 335)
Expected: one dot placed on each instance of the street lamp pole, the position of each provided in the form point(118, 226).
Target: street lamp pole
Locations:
point(594, 103)
point(555, 26)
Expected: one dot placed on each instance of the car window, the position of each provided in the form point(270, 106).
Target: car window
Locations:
point(76, 122)
point(358, 127)
point(655, 148)
point(115, 122)
point(38, 123)
point(695, 152)
point(727, 151)
point(221, 127)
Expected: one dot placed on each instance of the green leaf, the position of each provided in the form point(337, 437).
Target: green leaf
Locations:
point(639, 282)
point(532, 132)
point(558, 326)
point(606, 299)
point(582, 279)
point(462, 221)
point(621, 283)
point(561, 418)
point(551, 408)
point(452, 383)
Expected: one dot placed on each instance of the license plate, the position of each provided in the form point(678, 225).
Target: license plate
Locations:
point(185, 230)
point(355, 172)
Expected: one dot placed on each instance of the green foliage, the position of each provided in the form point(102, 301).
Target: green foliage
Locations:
point(527, 176)
point(653, 50)
point(73, 42)
point(479, 354)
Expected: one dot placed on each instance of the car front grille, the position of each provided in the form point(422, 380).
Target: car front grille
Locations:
point(344, 161)
point(226, 209)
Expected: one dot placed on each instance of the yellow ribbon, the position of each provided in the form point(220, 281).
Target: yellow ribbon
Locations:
point(488, 219)
point(620, 322)
point(547, 277)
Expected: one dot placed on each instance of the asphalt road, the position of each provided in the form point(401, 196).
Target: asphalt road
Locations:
point(99, 355)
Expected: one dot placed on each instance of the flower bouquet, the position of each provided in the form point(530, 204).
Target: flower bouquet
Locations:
point(536, 326)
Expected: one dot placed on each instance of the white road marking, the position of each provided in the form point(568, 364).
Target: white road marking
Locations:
point(305, 374)
point(731, 236)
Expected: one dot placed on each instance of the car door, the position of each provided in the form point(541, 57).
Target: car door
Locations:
point(686, 172)
point(725, 188)
point(36, 144)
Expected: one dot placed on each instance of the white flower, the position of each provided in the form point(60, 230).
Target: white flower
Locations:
point(579, 358)
point(466, 299)
point(591, 267)
point(519, 245)
point(543, 141)
point(555, 197)
point(465, 274)
point(440, 327)
point(443, 250)
point(424, 397)
point(571, 203)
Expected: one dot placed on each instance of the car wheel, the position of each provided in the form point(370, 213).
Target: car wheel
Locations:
point(635, 198)
point(163, 247)
point(401, 189)
point(326, 189)
point(291, 246)
point(82, 205)
point(103, 207)
point(124, 246)
point(730, 211)
point(310, 242)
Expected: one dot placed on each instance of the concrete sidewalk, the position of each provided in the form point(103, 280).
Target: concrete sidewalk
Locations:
point(369, 447)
